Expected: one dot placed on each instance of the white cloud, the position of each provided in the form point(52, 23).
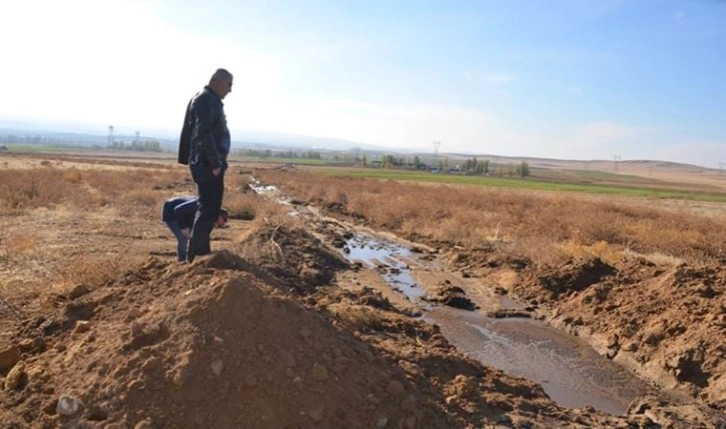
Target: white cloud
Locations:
point(499, 79)
point(489, 79)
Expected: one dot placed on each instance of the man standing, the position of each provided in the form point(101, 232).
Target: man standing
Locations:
point(204, 146)
point(178, 214)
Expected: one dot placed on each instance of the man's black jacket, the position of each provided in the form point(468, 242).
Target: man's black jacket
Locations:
point(204, 143)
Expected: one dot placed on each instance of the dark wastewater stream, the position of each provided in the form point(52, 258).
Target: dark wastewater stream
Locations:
point(570, 371)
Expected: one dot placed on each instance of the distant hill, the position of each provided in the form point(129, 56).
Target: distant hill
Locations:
point(250, 138)
point(30, 132)
point(84, 135)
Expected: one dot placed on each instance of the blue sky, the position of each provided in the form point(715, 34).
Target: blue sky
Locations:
point(571, 79)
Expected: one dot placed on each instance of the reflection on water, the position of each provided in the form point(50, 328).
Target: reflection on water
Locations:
point(386, 256)
point(569, 370)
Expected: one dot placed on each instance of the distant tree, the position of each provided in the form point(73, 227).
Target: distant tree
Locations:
point(482, 167)
point(286, 154)
point(523, 169)
point(470, 166)
point(390, 161)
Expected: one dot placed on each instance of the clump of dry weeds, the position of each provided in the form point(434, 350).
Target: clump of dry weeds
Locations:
point(24, 189)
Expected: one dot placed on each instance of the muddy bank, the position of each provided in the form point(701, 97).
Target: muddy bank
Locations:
point(666, 322)
point(168, 346)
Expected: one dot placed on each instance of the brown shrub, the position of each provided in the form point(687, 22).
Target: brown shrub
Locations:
point(15, 244)
point(24, 189)
point(72, 175)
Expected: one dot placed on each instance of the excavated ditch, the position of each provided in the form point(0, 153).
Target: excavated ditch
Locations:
point(570, 371)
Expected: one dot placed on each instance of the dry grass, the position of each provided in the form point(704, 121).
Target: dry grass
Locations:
point(26, 189)
point(66, 221)
point(58, 217)
point(91, 270)
point(539, 225)
point(61, 222)
point(21, 190)
point(16, 244)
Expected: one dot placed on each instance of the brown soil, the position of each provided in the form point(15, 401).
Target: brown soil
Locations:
point(276, 330)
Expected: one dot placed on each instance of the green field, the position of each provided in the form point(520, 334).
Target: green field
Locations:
point(43, 148)
point(275, 160)
point(533, 183)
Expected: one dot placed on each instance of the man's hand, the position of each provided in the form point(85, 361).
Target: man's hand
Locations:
point(187, 232)
point(216, 171)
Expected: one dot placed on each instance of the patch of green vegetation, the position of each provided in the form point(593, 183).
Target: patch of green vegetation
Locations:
point(298, 161)
point(526, 183)
point(41, 148)
point(588, 175)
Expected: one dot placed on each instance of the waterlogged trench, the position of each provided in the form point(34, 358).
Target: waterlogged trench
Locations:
point(569, 370)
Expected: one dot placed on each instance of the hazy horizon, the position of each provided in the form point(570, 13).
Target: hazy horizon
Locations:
point(295, 141)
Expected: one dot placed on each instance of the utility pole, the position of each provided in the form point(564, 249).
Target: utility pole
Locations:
point(110, 135)
point(437, 144)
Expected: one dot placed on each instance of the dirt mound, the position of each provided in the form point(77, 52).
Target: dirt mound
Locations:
point(574, 276)
point(182, 347)
point(250, 357)
point(291, 256)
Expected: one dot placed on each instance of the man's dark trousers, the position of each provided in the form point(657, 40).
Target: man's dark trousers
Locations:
point(211, 192)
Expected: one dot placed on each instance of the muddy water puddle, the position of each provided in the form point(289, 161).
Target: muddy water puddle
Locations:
point(389, 260)
point(569, 370)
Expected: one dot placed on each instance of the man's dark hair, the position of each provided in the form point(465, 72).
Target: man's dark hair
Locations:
point(220, 74)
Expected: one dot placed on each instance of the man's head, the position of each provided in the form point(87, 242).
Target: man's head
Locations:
point(222, 218)
point(221, 82)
